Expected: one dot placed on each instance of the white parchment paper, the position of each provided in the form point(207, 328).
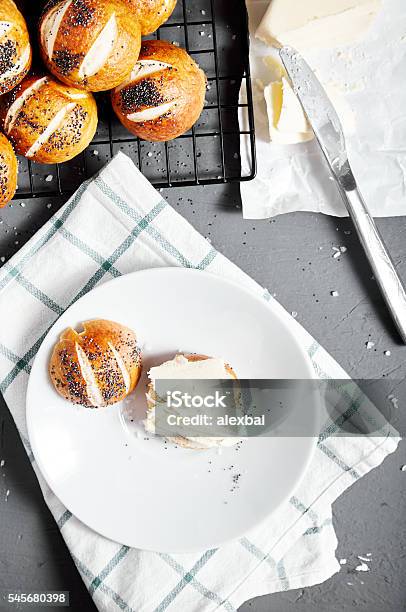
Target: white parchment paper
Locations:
point(367, 84)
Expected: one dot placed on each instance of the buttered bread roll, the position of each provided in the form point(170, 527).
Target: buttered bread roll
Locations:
point(151, 13)
point(92, 44)
point(15, 48)
point(47, 121)
point(97, 367)
point(8, 171)
point(164, 95)
point(184, 367)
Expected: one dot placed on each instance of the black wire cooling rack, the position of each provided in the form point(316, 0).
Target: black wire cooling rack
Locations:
point(215, 33)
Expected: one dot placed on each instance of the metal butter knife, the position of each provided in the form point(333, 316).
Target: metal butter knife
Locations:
point(329, 133)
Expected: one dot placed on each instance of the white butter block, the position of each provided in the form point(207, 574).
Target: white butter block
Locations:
point(316, 24)
point(275, 67)
point(287, 121)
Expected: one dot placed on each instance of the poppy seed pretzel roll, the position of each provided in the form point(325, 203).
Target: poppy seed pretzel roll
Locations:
point(151, 13)
point(47, 121)
point(8, 171)
point(164, 95)
point(92, 44)
point(97, 367)
point(15, 48)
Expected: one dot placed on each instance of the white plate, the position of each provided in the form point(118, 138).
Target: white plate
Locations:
point(134, 490)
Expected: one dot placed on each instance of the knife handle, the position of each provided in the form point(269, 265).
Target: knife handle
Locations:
point(381, 263)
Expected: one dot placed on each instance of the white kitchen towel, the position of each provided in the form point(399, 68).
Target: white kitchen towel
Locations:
point(367, 86)
point(116, 224)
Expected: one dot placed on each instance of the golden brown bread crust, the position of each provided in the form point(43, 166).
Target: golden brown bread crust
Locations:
point(46, 100)
point(151, 13)
point(8, 171)
point(84, 365)
point(15, 48)
point(79, 28)
point(181, 85)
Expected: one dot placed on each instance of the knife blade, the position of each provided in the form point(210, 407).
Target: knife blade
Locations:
point(330, 136)
point(320, 112)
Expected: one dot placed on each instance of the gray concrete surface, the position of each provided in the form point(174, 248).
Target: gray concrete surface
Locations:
point(292, 256)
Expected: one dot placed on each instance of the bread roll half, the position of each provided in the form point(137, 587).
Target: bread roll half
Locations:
point(191, 443)
point(97, 367)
